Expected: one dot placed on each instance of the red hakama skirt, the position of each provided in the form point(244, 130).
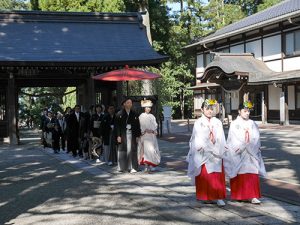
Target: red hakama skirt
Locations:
point(245, 186)
point(210, 186)
point(145, 162)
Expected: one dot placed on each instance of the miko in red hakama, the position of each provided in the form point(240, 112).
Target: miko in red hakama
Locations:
point(206, 169)
point(244, 163)
point(245, 186)
point(210, 186)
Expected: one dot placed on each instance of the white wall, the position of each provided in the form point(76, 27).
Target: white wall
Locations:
point(198, 100)
point(291, 64)
point(274, 97)
point(227, 103)
point(275, 65)
point(254, 47)
point(200, 66)
point(235, 100)
point(237, 49)
point(272, 48)
point(291, 97)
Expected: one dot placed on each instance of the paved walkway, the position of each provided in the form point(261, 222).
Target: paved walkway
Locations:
point(39, 187)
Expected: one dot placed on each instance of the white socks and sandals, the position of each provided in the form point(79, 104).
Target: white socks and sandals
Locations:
point(221, 203)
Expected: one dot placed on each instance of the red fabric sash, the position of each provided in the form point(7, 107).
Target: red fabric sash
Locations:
point(247, 136)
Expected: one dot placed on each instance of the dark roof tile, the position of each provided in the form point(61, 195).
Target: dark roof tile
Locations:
point(74, 37)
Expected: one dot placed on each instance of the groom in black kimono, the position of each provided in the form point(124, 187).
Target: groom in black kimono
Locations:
point(127, 131)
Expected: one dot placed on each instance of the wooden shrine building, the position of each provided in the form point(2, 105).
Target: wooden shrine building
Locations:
point(59, 49)
point(257, 58)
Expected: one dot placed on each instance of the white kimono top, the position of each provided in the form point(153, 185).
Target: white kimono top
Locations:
point(207, 146)
point(148, 146)
point(243, 143)
point(147, 121)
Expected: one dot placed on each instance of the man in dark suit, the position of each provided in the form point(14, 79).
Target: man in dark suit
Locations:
point(108, 135)
point(127, 131)
point(49, 123)
point(42, 126)
point(74, 121)
point(61, 122)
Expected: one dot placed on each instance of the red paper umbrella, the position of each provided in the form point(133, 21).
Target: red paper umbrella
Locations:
point(126, 74)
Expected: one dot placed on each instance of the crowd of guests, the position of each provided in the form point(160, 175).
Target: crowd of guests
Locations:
point(121, 138)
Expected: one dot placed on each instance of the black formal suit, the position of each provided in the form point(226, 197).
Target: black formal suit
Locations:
point(55, 140)
point(109, 137)
point(62, 128)
point(42, 126)
point(74, 130)
point(107, 128)
point(127, 124)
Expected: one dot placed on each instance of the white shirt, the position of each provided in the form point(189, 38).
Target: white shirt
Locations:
point(62, 124)
point(77, 115)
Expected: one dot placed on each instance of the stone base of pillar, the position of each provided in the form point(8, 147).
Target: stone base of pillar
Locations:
point(11, 140)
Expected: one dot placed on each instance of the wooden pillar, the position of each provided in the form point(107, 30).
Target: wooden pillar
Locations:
point(263, 105)
point(90, 92)
point(286, 106)
point(119, 94)
point(222, 108)
point(80, 96)
point(266, 101)
point(83, 96)
point(284, 111)
point(105, 98)
point(12, 121)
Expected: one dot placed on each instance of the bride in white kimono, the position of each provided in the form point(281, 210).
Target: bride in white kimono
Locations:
point(148, 154)
point(244, 163)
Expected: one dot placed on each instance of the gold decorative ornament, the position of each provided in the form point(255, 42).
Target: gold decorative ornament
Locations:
point(210, 102)
point(248, 104)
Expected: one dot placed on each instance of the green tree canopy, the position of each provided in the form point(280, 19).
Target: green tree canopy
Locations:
point(267, 3)
point(81, 5)
point(218, 14)
point(13, 5)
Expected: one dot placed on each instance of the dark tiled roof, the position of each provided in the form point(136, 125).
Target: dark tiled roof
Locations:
point(277, 12)
point(107, 39)
point(256, 70)
point(231, 63)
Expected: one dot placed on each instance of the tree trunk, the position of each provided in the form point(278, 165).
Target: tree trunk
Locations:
point(147, 90)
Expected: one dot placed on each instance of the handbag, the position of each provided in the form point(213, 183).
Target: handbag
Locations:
point(97, 124)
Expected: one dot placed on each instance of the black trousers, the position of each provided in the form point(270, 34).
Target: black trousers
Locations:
point(55, 144)
point(73, 145)
point(63, 141)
